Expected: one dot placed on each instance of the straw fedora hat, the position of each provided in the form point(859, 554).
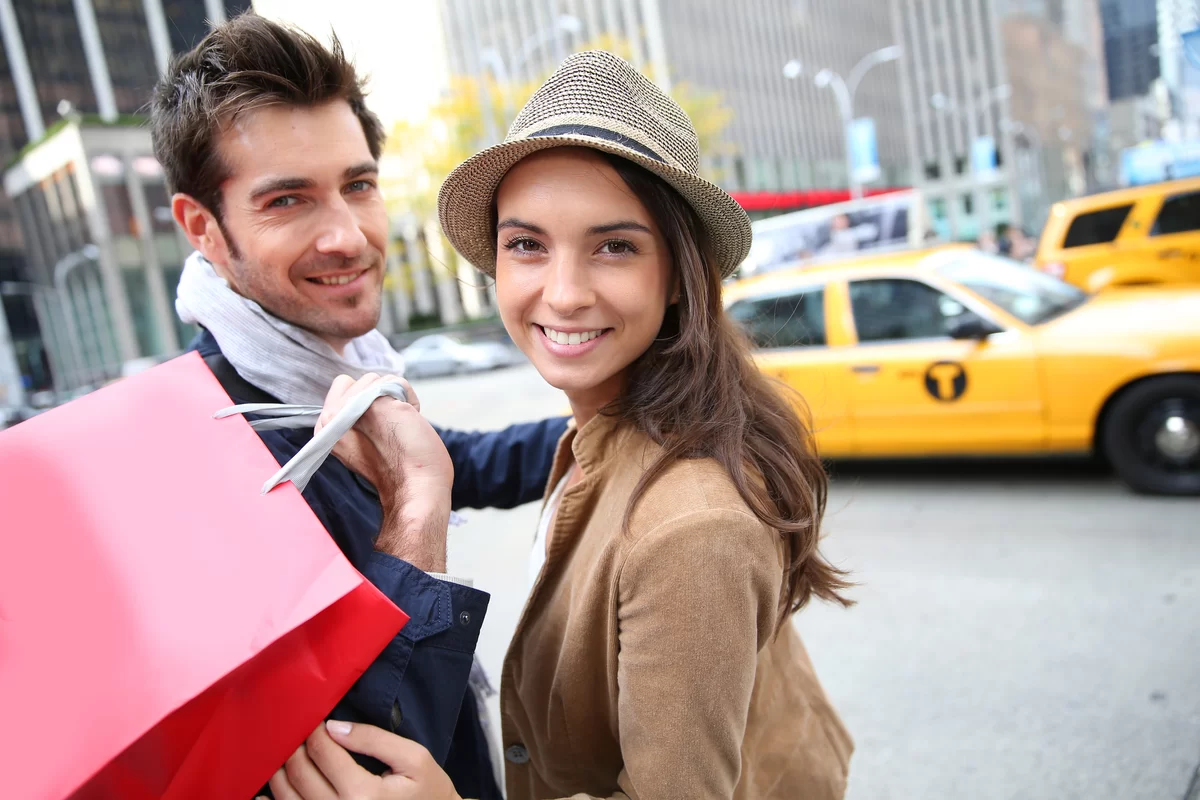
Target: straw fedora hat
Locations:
point(597, 100)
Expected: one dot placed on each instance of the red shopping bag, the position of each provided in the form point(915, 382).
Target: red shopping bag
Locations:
point(165, 629)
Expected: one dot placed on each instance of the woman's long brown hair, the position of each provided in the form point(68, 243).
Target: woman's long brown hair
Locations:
point(698, 394)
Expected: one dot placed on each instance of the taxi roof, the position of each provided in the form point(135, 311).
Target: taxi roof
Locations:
point(893, 262)
point(1101, 199)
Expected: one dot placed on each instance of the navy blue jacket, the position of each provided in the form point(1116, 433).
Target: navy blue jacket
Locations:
point(417, 686)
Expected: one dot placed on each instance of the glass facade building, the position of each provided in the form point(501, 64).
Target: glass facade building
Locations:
point(96, 62)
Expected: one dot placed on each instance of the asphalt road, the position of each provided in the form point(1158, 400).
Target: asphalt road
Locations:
point(1023, 630)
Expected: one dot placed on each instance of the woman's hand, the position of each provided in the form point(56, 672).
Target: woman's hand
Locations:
point(323, 769)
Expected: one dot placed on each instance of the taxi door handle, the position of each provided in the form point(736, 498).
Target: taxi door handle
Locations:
point(865, 369)
point(1174, 252)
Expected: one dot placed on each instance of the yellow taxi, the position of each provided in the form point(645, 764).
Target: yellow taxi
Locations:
point(957, 352)
point(1146, 234)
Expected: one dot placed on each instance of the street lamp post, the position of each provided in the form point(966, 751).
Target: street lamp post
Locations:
point(494, 61)
point(88, 254)
point(844, 91)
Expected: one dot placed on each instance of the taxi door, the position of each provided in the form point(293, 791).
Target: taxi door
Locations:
point(916, 391)
point(791, 337)
point(1174, 238)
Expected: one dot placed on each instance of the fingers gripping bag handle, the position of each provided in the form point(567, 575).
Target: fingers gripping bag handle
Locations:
point(302, 466)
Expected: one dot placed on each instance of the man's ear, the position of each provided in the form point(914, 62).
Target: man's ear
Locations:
point(202, 229)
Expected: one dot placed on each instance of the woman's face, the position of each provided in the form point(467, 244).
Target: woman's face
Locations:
point(583, 274)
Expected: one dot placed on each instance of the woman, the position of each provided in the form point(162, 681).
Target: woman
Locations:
point(655, 657)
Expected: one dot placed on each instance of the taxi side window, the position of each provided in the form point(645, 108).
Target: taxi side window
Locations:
point(891, 309)
point(792, 320)
point(1096, 227)
point(1179, 214)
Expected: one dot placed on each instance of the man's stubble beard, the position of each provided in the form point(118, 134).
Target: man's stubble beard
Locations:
point(292, 308)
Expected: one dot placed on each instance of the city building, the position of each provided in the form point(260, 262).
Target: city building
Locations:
point(785, 145)
point(1180, 69)
point(89, 202)
point(957, 84)
point(1130, 48)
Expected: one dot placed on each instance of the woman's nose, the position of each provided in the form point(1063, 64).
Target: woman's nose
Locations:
point(568, 287)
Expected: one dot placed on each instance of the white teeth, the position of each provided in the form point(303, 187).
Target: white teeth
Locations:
point(337, 280)
point(570, 338)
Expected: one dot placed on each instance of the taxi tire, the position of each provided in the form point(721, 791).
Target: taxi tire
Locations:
point(1123, 419)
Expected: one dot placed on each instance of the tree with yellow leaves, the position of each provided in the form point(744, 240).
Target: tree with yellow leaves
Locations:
point(475, 112)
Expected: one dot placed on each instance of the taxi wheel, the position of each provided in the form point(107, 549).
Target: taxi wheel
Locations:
point(1152, 436)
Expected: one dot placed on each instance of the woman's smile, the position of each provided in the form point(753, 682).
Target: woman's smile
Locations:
point(568, 342)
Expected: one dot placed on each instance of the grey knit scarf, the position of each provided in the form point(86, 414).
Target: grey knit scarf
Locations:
point(282, 359)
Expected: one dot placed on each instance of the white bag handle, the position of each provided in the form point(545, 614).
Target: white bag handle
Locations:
point(302, 466)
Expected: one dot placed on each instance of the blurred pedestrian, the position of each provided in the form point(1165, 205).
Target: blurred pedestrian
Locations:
point(656, 657)
point(987, 242)
point(267, 142)
point(1004, 241)
point(1023, 245)
point(843, 238)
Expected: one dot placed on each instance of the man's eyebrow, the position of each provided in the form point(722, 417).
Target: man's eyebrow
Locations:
point(623, 225)
point(280, 185)
point(513, 222)
point(358, 170)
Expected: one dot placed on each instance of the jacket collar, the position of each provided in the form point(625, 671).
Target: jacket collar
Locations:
point(591, 446)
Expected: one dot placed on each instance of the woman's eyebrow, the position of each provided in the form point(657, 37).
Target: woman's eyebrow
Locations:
point(513, 222)
point(623, 225)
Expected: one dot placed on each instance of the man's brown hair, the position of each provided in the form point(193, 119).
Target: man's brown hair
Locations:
point(245, 63)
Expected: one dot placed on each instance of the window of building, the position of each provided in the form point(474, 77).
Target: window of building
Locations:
point(158, 205)
point(186, 22)
point(1096, 227)
point(125, 37)
point(119, 208)
point(1179, 214)
point(893, 309)
point(54, 47)
point(790, 320)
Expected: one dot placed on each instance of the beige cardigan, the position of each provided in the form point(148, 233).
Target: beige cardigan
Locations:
point(645, 665)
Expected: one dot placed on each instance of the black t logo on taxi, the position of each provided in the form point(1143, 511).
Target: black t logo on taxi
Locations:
point(946, 381)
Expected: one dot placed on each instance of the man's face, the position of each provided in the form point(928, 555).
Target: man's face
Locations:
point(304, 224)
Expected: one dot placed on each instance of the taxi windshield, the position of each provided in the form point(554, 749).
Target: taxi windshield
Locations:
point(1029, 295)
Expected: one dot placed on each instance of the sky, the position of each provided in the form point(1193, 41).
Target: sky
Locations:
point(398, 44)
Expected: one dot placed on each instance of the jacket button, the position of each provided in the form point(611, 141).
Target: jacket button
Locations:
point(517, 754)
point(464, 618)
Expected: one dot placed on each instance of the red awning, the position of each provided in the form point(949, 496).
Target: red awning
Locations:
point(767, 201)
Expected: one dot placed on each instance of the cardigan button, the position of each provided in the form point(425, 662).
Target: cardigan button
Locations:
point(517, 754)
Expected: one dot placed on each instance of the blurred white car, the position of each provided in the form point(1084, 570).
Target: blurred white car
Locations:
point(440, 354)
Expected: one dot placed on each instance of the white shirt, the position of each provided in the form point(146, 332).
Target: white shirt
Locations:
point(537, 557)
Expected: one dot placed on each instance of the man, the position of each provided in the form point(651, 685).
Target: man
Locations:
point(270, 150)
point(843, 238)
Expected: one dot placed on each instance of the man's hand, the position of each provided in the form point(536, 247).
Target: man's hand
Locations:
point(398, 451)
point(323, 769)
